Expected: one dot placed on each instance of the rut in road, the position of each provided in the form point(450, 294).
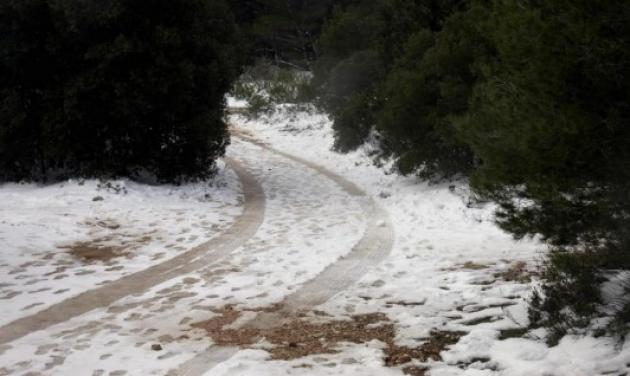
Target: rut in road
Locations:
point(244, 227)
point(373, 247)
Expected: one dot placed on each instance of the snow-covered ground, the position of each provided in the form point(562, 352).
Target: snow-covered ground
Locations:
point(309, 223)
point(62, 239)
point(451, 269)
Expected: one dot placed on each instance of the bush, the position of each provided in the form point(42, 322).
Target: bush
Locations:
point(426, 89)
point(349, 95)
point(114, 88)
point(265, 85)
point(383, 69)
point(348, 73)
point(529, 97)
point(549, 122)
point(571, 292)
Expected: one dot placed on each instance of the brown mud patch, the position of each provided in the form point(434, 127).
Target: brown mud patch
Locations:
point(114, 244)
point(91, 251)
point(415, 371)
point(468, 265)
point(303, 335)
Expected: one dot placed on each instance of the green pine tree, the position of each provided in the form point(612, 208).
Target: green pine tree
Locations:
point(115, 87)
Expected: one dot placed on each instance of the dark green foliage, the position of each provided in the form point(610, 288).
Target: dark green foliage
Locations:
point(349, 72)
point(570, 294)
point(570, 291)
point(550, 124)
point(114, 88)
point(246, 11)
point(349, 95)
point(429, 85)
point(559, 111)
point(385, 66)
point(401, 19)
point(530, 97)
point(27, 83)
point(350, 29)
point(284, 31)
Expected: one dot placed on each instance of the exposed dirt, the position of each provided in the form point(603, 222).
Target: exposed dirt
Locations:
point(305, 335)
point(109, 241)
point(93, 251)
point(517, 272)
point(215, 249)
point(415, 371)
point(468, 265)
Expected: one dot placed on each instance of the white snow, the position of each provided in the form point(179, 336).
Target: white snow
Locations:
point(309, 223)
point(451, 268)
point(38, 224)
point(449, 257)
point(236, 103)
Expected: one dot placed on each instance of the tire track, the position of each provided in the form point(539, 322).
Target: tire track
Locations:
point(372, 248)
point(244, 227)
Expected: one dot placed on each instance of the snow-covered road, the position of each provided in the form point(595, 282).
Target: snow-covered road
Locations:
point(287, 265)
point(311, 242)
point(373, 247)
point(194, 259)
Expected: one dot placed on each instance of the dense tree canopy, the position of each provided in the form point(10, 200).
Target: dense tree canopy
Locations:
point(528, 98)
point(558, 110)
point(284, 31)
point(371, 74)
point(115, 87)
point(550, 123)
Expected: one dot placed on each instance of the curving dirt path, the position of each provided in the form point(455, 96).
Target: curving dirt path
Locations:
point(375, 245)
point(298, 220)
point(217, 248)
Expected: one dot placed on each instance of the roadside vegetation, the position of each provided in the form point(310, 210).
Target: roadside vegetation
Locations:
point(528, 100)
point(120, 88)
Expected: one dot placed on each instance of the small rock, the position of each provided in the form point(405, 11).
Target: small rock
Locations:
point(109, 225)
point(156, 347)
point(98, 198)
point(166, 338)
point(378, 283)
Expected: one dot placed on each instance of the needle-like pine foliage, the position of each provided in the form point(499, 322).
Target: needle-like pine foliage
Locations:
point(530, 99)
point(551, 124)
